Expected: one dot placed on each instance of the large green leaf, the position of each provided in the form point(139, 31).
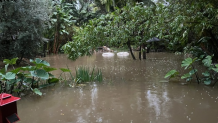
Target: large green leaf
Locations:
point(171, 74)
point(10, 75)
point(42, 74)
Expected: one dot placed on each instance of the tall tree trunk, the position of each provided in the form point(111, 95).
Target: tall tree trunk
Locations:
point(130, 49)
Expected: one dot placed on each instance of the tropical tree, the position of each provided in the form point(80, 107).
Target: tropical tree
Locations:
point(60, 23)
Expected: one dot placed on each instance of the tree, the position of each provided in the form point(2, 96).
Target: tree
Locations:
point(193, 30)
point(126, 26)
point(61, 21)
point(21, 27)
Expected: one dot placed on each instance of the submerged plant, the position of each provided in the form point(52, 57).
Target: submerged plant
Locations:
point(83, 74)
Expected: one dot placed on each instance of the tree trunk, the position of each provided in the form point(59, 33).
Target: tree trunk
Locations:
point(130, 49)
point(57, 37)
point(140, 52)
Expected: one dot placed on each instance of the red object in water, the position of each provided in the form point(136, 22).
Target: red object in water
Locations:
point(8, 108)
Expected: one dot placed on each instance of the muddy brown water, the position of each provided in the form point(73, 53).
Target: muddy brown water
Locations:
point(133, 91)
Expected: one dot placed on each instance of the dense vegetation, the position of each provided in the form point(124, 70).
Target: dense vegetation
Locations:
point(28, 28)
point(185, 26)
point(191, 31)
point(21, 27)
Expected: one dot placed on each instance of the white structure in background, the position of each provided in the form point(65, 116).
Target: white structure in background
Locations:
point(109, 54)
point(122, 54)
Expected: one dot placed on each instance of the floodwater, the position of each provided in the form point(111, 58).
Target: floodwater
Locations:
point(133, 91)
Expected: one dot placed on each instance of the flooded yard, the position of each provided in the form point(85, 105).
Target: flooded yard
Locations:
point(133, 91)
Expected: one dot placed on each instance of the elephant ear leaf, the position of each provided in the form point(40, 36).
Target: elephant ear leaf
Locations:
point(42, 74)
point(171, 74)
point(10, 75)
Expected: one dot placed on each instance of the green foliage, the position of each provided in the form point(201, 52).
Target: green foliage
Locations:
point(207, 61)
point(29, 77)
point(215, 68)
point(188, 62)
point(210, 74)
point(127, 25)
point(188, 76)
point(83, 74)
point(10, 62)
point(192, 31)
point(21, 27)
point(37, 91)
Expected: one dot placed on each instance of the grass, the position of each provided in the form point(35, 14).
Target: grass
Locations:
point(85, 74)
